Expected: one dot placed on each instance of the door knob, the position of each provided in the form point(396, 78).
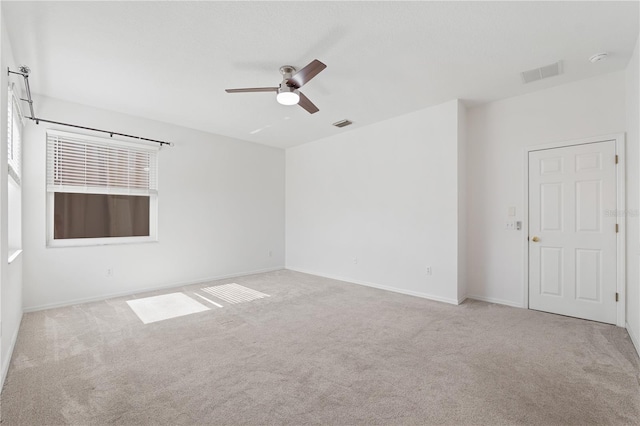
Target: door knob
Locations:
point(535, 239)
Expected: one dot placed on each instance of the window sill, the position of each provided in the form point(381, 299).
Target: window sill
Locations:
point(13, 254)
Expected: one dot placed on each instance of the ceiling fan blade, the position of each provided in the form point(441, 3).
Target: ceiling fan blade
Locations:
point(307, 104)
point(252, 89)
point(303, 76)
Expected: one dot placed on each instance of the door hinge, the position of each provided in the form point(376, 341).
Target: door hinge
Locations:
point(616, 158)
point(617, 228)
point(617, 296)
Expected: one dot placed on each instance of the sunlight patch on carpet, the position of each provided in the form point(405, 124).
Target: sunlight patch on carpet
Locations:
point(158, 308)
point(234, 293)
point(208, 300)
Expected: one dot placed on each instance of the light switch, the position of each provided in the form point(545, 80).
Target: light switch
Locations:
point(512, 211)
point(513, 225)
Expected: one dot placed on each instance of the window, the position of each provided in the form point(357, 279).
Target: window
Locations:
point(14, 190)
point(100, 191)
point(14, 135)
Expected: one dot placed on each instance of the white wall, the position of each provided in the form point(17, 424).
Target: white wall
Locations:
point(633, 198)
point(10, 274)
point(498, 133)
point(221, 210)
point(384, 194)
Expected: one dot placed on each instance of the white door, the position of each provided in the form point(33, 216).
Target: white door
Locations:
point(572, 231)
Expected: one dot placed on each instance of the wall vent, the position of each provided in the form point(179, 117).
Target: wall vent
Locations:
point(542, 72)
point(342, 123)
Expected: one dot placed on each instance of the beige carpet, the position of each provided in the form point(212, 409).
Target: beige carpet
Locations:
point(319, 351)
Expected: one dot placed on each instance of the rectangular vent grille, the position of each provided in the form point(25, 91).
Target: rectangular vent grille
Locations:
point(542, 72)
point(342, 123)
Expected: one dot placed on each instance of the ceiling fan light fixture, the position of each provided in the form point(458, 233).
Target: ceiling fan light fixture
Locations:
point(288, 96)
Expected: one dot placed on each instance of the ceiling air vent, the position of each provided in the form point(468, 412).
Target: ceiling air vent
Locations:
point(542, 72)
point(342, 123)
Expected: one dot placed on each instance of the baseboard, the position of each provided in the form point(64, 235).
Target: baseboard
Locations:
point(144, 290)
point(633, 338)
point(7, 362)
point(494, 300)
point(379, 286)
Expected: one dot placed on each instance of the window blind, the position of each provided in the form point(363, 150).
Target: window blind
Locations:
point(14, 136)
point(81, 165)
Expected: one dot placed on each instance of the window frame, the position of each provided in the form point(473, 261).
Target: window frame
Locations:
point(85, 242)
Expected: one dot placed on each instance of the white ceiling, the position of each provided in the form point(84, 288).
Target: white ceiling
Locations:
point(171, 61)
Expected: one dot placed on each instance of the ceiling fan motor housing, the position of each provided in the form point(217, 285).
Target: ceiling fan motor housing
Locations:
point(287, 95)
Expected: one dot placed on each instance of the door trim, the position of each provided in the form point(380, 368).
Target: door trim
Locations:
point(619, 139)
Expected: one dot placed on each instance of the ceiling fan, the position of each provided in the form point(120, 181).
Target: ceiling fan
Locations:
point(287, 92)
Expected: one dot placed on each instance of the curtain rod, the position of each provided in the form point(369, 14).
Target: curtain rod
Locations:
point(24, 72)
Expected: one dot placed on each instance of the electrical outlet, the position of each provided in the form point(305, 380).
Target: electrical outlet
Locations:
point(109, 272)
point(355, 260)
point(429, 270)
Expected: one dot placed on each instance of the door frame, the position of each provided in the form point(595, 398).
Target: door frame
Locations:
point(619, 140)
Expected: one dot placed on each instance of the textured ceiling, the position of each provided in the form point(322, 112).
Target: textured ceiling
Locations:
point(171, 61)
